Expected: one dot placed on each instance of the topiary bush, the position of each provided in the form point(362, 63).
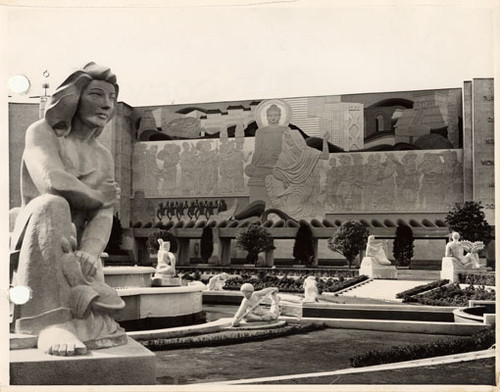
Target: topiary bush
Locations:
point(206, 244)
point(469, 221)
point(303, 247)
point(254, 240)
point(152, 241)
point(403, 244)
point(349, 239)
point(115, 238)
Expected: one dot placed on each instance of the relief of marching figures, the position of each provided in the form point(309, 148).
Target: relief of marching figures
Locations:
point(369, 181)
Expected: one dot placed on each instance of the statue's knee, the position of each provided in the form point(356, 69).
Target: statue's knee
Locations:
point(50, 204)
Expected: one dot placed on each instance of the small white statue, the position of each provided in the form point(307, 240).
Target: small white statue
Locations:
point(310, 289)
point(217, 282)
point(166, 261)
point(456, 249)
point(376, 250)
point(250, 309)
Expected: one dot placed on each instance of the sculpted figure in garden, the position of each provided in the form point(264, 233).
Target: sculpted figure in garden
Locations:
point(376, 250)
point(217, 282)
point(310, 289)
point(294, 184)
point(68, 192)
point(166, 261)
point(250, 309)
point(464, 252)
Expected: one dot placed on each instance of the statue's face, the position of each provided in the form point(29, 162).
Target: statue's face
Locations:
point(97, 103)
point(273, 117)
point(247, 294)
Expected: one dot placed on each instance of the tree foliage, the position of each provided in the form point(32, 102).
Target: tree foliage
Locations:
point(154, 246)
point(303, 247)
point(115, 238)
point(254, 240)
point(206, 244)
point(349, 239)
point(469, 221)
point(403, 244)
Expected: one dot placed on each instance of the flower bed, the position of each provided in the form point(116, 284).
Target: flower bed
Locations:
point(477, 279)
point(420, 289)
point(453, 295)
point(447, 346)
point(290, 284)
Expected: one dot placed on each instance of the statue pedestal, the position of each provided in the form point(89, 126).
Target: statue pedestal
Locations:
point(131, 364)
point(371, 268)
point(166, 282)
point(450, 268)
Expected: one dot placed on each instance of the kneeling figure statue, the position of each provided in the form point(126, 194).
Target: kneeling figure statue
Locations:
point(250, 309)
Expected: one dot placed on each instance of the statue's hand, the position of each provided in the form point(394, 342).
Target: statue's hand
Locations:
point(88, 263)
point(110, 193)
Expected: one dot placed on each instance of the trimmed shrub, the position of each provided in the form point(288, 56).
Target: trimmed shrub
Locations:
point(206, 244)
point(152, 242)
point(349, 239)
point(469, 221)
point(115, 238)
point(303, 247)
point(403, 244)
point(482, 340)
point(254, 240)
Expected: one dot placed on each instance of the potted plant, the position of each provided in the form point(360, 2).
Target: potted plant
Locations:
point(254, 240)
point(349, 239)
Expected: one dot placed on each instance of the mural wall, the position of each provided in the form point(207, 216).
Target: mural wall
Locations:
point(405, 181)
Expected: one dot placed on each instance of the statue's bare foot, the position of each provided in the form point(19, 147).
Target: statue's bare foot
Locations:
point(61, 340)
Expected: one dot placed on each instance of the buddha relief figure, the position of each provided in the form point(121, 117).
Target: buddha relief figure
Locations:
point(294, 184)
point(272, 117)
point(68, 191)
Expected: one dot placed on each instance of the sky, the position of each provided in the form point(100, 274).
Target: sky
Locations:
point(211, 53)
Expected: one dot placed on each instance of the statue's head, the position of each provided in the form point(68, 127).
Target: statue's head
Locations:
point(273, 115)
point(247, 289)
point(455, 236)
point(79, 94)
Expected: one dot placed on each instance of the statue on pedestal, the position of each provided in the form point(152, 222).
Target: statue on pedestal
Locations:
point(456, 249)
point(165, 270)
point(376, 250)
point(310, 289)
point(68, 192)
point(250, 309)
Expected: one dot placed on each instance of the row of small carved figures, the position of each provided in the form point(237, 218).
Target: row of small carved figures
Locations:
point(269, 223)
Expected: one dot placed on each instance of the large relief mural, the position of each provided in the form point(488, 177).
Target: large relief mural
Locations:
point(304, 176)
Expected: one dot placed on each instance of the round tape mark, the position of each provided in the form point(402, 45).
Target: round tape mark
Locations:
point(19, 295)
point(20, 84)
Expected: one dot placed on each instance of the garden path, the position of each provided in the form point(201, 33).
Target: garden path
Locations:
point(383, 289)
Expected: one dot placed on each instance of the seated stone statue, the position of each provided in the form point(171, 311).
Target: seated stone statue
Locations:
point(166, 261)
point(376, 250)
point(310, 289)
point(456, 249)
point(250, 309)
point(68, 192)
point(217, 282)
